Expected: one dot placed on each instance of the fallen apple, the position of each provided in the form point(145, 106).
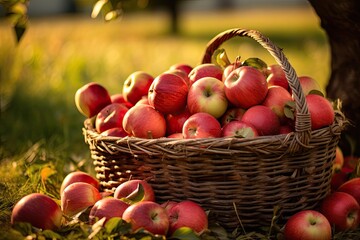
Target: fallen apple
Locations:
point(78, 176)
point(107, 208)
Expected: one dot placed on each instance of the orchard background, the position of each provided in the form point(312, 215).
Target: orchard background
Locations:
point(41, 137)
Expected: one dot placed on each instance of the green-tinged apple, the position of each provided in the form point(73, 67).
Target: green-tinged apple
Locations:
point(107, 208)
point(307, 225)
point(91, 98)
point(232, 114)
point(168, 93)
point(147, 215)
point(321, 111)
point(338, 161)
point(77, 197)
point(119, 98)
point(143, 121)
point(205, 70)
point(342, 211)
point(78, 176)
point(265, 121)
point(239, 129)
point(188, 214)
point(276, 99)
point(276, 76)
point(114, 132)
point(110, 116)
point(207, 95)
point(39, 210)
point(246, 87)
point(309, 84)
point(130, 190)
point(175, 122)
point(136, 86)
point(351, 187)
point(201, 125)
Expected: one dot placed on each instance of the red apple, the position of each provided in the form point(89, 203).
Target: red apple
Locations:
point(181, 74)
point(143, 100)
point(143, 121)
point(147, 215)
point(77, 197)
point(285, 129)
point(168, 205)
point(119, 98)
point(309, 84)
point(130, 190)
point(207, 95)
point(136, 86)
point(351, 187)
point(350, 163)
point(337, 179)
point(186, 68)
point(229, 68)
point(114, 132)
point(342, 211)
point(110, 116)
point(276, 99)
point(107, 207)
point(188, 214)
point(263, 119)
point(321, 111)
point(91, 98)
point(168, 93)
point(176, 135)
point(175, 122)
point(79, 176)
point(239, 129)
point(201, 125)
point(306, 225)
point(39, 210)
point(205, 70)
point(232, 114)
point(245, 87)
point(338, 161)
point(276, 77)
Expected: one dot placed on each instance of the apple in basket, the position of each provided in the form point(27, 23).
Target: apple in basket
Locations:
point(135, 190)
point(39, 210)
point(91, 98)
point(229, 68)
point(321, 111)
point(276, 76)
point(201, 125)
point(265, 121)
point(207, 95)
point(136, 86)
point(342, 211)
point(245, 87)
point(107, 208)
point(307, 224)
point(79, 176)
point(110, 116)
point(115, 132)
point(239, 129)
point(147, 215)
point(175, 122)
point(205, 70)
point(309, 84)
point(168, 93)
point(119, 98)
point(232, 114)
point(186, 68)
point(143, 121)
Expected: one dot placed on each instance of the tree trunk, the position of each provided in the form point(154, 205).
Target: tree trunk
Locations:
point(341, 22)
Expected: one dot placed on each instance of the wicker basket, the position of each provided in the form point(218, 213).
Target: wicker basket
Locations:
point(233, 178)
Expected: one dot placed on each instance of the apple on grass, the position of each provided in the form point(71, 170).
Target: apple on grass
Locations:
point(321, 111)
point(265, 121)
point(187, 214)
point(239, 129)
point(107, 208)
point(276, 99)
point(201, 125)
point(131, 190)
point(110, 116)
point(306, 225)
point(351, 187)
point(342, 211)
point(207, 95)
point(147, 215)
point(77, 197)
point(205, 70)
point(143, 121)
point(168, 93)
point(39, 210)
point(91, 98)
point(78, 176)
point(245, 87)
point(136, 86)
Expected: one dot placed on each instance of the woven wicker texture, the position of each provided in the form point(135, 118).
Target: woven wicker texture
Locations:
point(229, 176)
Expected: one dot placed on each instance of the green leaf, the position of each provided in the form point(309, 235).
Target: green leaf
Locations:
point(185, 233)
point(317, 92)
point(256, 63)
point(289, 109)
point(220, 58)
point(136, 196)
point(48, 234)
point(117, 225)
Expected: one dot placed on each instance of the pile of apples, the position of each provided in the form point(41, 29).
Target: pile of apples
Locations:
point(239, 99)
point(133, 201)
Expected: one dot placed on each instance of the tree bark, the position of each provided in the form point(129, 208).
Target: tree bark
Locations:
point(341, 22)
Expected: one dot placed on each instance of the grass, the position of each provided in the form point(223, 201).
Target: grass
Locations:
point(41, 138)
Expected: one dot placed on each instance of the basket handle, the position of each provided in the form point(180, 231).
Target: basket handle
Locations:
point(302, 120)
